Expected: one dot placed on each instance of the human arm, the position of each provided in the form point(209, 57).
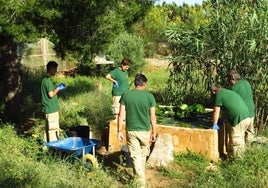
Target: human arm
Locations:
point(153, 124)
point(115, 83)
point(53, 92)
point(216, 115)
point(120, 119)
point(109, 77)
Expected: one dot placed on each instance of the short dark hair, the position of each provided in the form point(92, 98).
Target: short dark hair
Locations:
point(215, 87)
point(140, 79)
point(51, 64)
point(233, 74)
point(125, 61)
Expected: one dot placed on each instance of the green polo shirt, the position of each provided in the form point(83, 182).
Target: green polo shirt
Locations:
point(49, 105)
point(137, 104)
point(233, 106)
point(122, 78)
point(243, 88)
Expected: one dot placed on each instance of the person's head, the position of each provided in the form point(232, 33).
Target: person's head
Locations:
point(215, 88)
point(140, 80)
point(52, 68)
point(233, 76)
point(125, 63)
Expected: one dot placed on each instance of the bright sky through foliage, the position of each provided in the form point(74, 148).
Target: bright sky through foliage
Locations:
point(180, 2)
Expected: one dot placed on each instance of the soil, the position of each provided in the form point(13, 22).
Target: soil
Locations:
point(155, 177)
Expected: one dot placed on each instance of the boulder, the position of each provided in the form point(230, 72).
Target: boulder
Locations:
point(162, 151)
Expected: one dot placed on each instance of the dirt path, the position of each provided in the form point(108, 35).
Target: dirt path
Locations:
point(155, 177)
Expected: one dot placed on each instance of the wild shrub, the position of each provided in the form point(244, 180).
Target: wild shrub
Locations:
point(81, 103)
point(127, 46)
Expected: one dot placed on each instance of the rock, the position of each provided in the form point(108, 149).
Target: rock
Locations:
point(162, 152)
point(260, 141)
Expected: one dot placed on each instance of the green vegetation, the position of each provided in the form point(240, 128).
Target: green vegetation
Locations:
point(191, 170)
point(81, 29)
point(233, 37)
point(201, 44)
point(85, 101)
point(24, 163)
point(81, 103)
point(194, 115)
point(130, 46)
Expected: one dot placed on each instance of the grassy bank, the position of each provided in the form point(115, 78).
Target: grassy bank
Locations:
point(25, 164)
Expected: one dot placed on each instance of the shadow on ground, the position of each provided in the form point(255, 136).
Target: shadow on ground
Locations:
point(116, 164)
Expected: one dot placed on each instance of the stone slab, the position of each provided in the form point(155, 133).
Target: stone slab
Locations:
point(162, 152)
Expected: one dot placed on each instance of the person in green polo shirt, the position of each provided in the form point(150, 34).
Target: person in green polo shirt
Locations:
point(237, 114)
point(119, 78)
point(243, 88)
point(50, 104)
point(139, 106)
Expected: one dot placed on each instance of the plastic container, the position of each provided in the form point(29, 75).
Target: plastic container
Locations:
point(83, 131)
point(75, 145)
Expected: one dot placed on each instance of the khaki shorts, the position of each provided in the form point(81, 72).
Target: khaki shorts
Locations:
point(116, 104)
point(52, 127)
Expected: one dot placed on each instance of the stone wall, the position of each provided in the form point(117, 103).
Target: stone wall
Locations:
point(203, 141)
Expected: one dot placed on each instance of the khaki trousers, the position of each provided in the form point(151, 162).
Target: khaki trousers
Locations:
point(52, 127)
point(232, 139)
point(250, 131)
point(116, 105)
point(237, 138)
point(139, 148)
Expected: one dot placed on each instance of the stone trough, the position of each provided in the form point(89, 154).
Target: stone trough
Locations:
point(200, 141)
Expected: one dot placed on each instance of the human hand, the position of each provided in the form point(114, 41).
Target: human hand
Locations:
point(115, 84)
point(120, 136)
point(61, 86)
point(215, 127)
point(153, 138)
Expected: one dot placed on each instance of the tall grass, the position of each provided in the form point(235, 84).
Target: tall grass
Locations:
point(193, 170)
point(25, 164)
point(84, 102)
point(157, 81)
point(250, 171)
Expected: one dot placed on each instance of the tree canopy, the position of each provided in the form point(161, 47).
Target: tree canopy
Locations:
point(81, 27)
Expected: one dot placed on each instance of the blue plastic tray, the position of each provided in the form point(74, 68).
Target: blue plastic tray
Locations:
point(74, 145)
